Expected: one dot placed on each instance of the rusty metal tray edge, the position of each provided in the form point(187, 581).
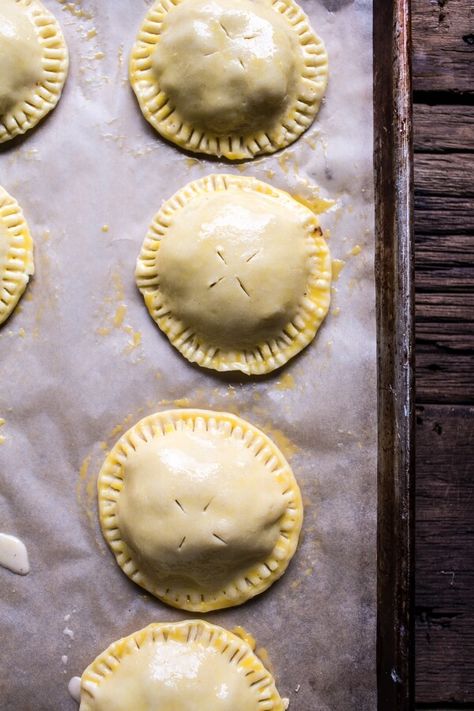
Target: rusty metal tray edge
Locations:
point(393, 156)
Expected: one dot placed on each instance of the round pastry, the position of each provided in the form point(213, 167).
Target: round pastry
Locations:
point(191, 665)
point(16, 254)
point(233, 78)
point(236, 273)
point(200, 508)
point(33, 65)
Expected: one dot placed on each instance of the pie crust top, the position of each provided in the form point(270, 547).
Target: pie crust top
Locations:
point(200, 508)
point(236, 273)
point(16, 254)
point(191, 666)
point(33, 65)
point(233, 78)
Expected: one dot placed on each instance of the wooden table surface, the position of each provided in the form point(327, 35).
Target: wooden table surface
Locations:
point(443, 74)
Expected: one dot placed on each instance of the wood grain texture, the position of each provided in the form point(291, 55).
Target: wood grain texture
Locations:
point(445, 128)
point(444, 260)
point(451, 215)
point(445, 175)
point(443, 45)
point(444, 190)
point(443, 63)
point(445, 319)
point(445, 570)
point(445, 263)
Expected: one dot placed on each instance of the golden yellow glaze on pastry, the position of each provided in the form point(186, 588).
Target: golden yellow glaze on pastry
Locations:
point(233, 78)
point(16, 254)
point(33, 65)
point(200, 508)
point(236, 273)
point(190, 666)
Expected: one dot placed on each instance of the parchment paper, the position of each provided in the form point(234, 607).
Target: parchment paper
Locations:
point(81, 361)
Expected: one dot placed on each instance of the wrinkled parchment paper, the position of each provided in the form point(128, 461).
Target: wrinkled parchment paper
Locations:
point(81, 361)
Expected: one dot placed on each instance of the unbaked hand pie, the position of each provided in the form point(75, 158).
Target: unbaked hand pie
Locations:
point(236, 273)
point(190, 666)
point(16, 254)
point(200, 508)
point(33, 65)
point(233, 78)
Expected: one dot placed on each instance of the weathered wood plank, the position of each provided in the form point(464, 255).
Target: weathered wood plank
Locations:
point(444, 339)
point(444, 278)
point(443, 45)
point(443, 128)
point(443, 309)
point(453, 337)
point(443, 193)
point(443, 375)
point(444, 330)
point(444, 175)
point(445, 250)
point(444, 561)
point(446, 216)
point(444, 220)
point(444, 264)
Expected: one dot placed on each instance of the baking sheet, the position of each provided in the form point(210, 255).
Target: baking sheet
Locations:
point(82, 361)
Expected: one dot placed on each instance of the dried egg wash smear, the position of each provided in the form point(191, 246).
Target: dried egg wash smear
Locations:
point(33, 65)
point(236, 273)
point(74, 688)
point(200, 508)
point(16, 254)
point(231, 78)
point(191, 665)
point(13, 554)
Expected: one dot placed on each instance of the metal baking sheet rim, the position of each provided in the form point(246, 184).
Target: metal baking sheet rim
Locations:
point(395, 353)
